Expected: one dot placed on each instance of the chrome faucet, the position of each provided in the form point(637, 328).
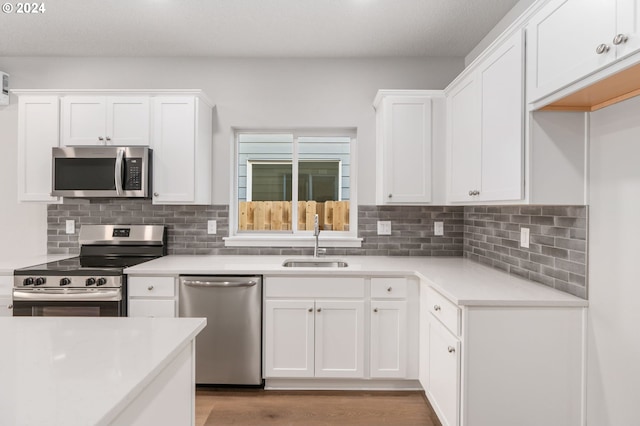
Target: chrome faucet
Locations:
point(316, 233)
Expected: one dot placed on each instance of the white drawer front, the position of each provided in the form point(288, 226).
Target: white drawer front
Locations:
point(6, 285)
point(388, 288)
point(152, 308)
point(316, 287)
point(151, 286)
point(445, 310)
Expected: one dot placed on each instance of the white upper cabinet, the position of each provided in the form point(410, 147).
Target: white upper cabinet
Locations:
point(570, 39)
point(485, 113)
point(181, 143)
point(105, 120)
point(404, 139)
point(38, 130)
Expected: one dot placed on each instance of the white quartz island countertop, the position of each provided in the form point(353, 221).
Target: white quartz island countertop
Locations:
point(461, 280)
point(82, 371)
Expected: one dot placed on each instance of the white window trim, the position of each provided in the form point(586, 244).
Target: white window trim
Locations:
point(301, 238)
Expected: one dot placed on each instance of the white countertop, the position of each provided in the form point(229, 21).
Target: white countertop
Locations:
point(82, 371)
point(7, 265)
point(461, 280)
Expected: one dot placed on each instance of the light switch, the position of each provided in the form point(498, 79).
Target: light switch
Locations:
point(384, 227)
point(524, 237)
point(71, 226)
point(438, 228)
point(212, 227)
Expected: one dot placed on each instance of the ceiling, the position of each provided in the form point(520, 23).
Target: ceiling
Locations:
point(251, 28)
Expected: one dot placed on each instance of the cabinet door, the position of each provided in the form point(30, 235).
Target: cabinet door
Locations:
point(388, 339)
point(562, 42)
point(152, 308)
point(628, 25)
point(407, 150)
point(84, 120)
point(6, 307)
point(127, 120)
point(464, 140)
point(288, 340)
point(444, 373)
point(38, 132)
point(173, 146)
point(339, 338)
point(501, 81)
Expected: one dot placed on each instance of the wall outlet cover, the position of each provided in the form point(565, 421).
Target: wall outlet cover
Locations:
point(212, 227)
point(70, 226)
point(438, 228)
point(524, 237)
point(384, 227)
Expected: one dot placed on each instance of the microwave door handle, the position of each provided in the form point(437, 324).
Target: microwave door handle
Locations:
point(118, 171)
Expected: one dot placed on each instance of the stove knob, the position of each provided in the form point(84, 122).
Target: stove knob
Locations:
point(27, 281)
point(65, 281)
point(101, 281)
point(40, 281)
point(90, 281)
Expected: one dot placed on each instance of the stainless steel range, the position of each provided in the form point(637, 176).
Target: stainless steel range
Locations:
point(92, 284)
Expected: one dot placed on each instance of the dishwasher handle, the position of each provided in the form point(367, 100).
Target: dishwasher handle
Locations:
point(219, 283)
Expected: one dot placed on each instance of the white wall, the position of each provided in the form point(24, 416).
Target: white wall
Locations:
point(249, 93)
point(613, 379)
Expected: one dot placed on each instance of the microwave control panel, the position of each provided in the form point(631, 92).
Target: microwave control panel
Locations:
point(133, 174)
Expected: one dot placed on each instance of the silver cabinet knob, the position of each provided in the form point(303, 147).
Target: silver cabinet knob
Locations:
point(108, 138)
point(310, 309)
point(389, 289)
point(436, 308)
point(602, 48)
point(390, 195)
point(150, 288)
point(155, 194)
point(375, 310)
point(451, 349)
point(10, 307)
point(100, 138)
point(620, 38)
point(319, 310)
point(470, 192)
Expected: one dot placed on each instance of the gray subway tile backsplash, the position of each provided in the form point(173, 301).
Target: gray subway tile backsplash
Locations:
point(486, 234)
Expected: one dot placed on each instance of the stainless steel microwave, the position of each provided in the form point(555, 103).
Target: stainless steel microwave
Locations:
point(101, 172)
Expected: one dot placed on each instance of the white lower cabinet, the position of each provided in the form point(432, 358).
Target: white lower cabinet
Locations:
point(6, 299)
point(6, 307)
point(152, 297)
point(507, 365)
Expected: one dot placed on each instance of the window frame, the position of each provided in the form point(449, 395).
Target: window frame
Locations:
point(298, 238)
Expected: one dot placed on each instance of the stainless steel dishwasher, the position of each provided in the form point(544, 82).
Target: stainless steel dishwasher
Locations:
point(229, 349)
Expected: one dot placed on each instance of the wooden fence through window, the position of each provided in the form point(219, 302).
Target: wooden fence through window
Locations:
point(276, 215)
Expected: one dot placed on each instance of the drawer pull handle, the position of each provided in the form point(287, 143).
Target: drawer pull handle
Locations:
point(451, 349)
point(602, 48)
point(436, 308)
point(619, 39)
point(310, 309)
point(150, 288)
point(375, 310)
point(319, 309)
point(10, 307)
point(389, 289)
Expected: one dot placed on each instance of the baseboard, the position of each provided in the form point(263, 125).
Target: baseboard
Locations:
point(341, 384)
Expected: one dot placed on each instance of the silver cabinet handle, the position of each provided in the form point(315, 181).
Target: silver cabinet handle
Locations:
point(436, 307)
point(451, 349)
point(108, 138)
point(389, 289)
point(222, 283)
point(390, 195)
point(10, 307)
point(620, 38)
point(310, 309)
point(375, 310)
point(470, 192)
point(602, 48)
point(150, 288)
point(155, 194)
point(319, 310)
point(100, 138)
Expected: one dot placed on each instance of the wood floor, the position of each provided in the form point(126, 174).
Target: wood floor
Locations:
point(216, 407)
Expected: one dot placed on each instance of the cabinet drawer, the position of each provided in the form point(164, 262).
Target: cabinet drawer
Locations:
point(388, 288)
point(152, 308)
point(443, 309)
point(152, 286)
point(316, 287)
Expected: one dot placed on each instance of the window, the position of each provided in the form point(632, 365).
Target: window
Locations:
point(284, 179)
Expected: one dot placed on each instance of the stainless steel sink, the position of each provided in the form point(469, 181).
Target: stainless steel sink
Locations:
point(314, 263)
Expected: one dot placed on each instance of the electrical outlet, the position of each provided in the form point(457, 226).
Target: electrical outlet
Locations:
point(212, 227)
point(438, 228)
point(384, 227)
point(71, 226)
point(524, 237)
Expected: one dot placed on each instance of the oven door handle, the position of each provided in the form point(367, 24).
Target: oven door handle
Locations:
point(102, 295)
point(118, 171)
